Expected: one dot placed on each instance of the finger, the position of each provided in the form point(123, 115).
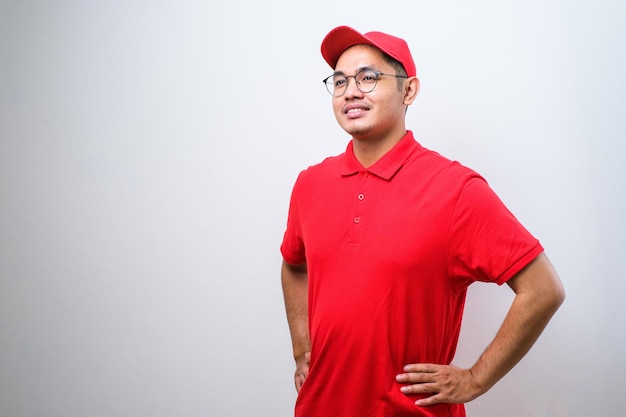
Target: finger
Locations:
point(419, 389)
point(428, 401)
point(415, 377)
point(299, 382)
point(421, 367)
point(299, 379)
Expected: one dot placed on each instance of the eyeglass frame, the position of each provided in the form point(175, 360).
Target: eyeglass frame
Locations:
point(358, 84)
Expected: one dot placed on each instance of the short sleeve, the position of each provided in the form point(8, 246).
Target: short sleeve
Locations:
point(487, 242)
point(292, 247)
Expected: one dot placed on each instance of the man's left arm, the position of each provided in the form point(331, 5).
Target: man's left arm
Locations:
point(538, 294)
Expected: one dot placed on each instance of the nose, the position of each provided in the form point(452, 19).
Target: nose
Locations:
point(351, 89)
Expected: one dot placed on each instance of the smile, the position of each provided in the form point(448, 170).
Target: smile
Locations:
point(354, 109)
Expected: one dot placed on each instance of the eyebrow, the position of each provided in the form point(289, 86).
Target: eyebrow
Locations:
point(364, 68)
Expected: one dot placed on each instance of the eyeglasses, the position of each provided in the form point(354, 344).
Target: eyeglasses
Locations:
point(365, 79)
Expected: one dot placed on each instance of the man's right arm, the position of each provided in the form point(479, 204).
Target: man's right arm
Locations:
point(295, 282)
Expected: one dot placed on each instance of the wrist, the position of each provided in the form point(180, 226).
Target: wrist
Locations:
point(303, 355)
point(480, 380)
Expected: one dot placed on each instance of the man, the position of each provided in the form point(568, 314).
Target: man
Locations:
point(381, 244)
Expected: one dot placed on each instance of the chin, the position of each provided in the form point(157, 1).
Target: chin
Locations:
point(355, 129)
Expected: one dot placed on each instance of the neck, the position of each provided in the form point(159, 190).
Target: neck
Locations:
point(369, 150)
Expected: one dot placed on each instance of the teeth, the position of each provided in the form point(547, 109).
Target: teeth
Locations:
point(354, 110)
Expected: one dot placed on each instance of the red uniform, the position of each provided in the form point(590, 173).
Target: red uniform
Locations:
point(390, 251)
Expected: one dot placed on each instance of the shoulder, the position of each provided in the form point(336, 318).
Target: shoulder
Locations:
point(435, 166)
point(328, 167)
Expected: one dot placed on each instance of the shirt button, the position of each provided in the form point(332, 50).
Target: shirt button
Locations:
point(366, 174)
point(361, 197)
point(357, 219)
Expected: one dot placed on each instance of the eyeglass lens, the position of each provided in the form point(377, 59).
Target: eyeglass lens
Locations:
point(365, 81)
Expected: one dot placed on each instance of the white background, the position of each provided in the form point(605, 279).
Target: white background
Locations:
point(147, 154)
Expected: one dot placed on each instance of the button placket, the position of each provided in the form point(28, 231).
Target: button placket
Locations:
point(359, 208)
point(360, 197)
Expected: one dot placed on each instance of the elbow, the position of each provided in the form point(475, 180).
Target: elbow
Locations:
point(552, 287)
point(559, 296)
point(555, 297)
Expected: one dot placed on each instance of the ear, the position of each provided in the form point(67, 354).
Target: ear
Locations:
point(411, 88)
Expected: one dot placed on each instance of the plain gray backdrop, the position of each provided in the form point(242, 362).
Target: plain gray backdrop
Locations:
point(147, 154)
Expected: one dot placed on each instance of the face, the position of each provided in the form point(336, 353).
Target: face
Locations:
point(376, 115)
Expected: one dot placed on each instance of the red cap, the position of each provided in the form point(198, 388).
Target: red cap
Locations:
point(343, 37)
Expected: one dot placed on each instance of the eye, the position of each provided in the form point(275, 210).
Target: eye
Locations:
point(339, 81)
point(369, 77)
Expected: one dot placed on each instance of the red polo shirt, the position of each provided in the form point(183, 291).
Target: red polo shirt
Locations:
point(390, 251)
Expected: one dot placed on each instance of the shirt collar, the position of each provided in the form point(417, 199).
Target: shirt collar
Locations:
point(388, 165)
